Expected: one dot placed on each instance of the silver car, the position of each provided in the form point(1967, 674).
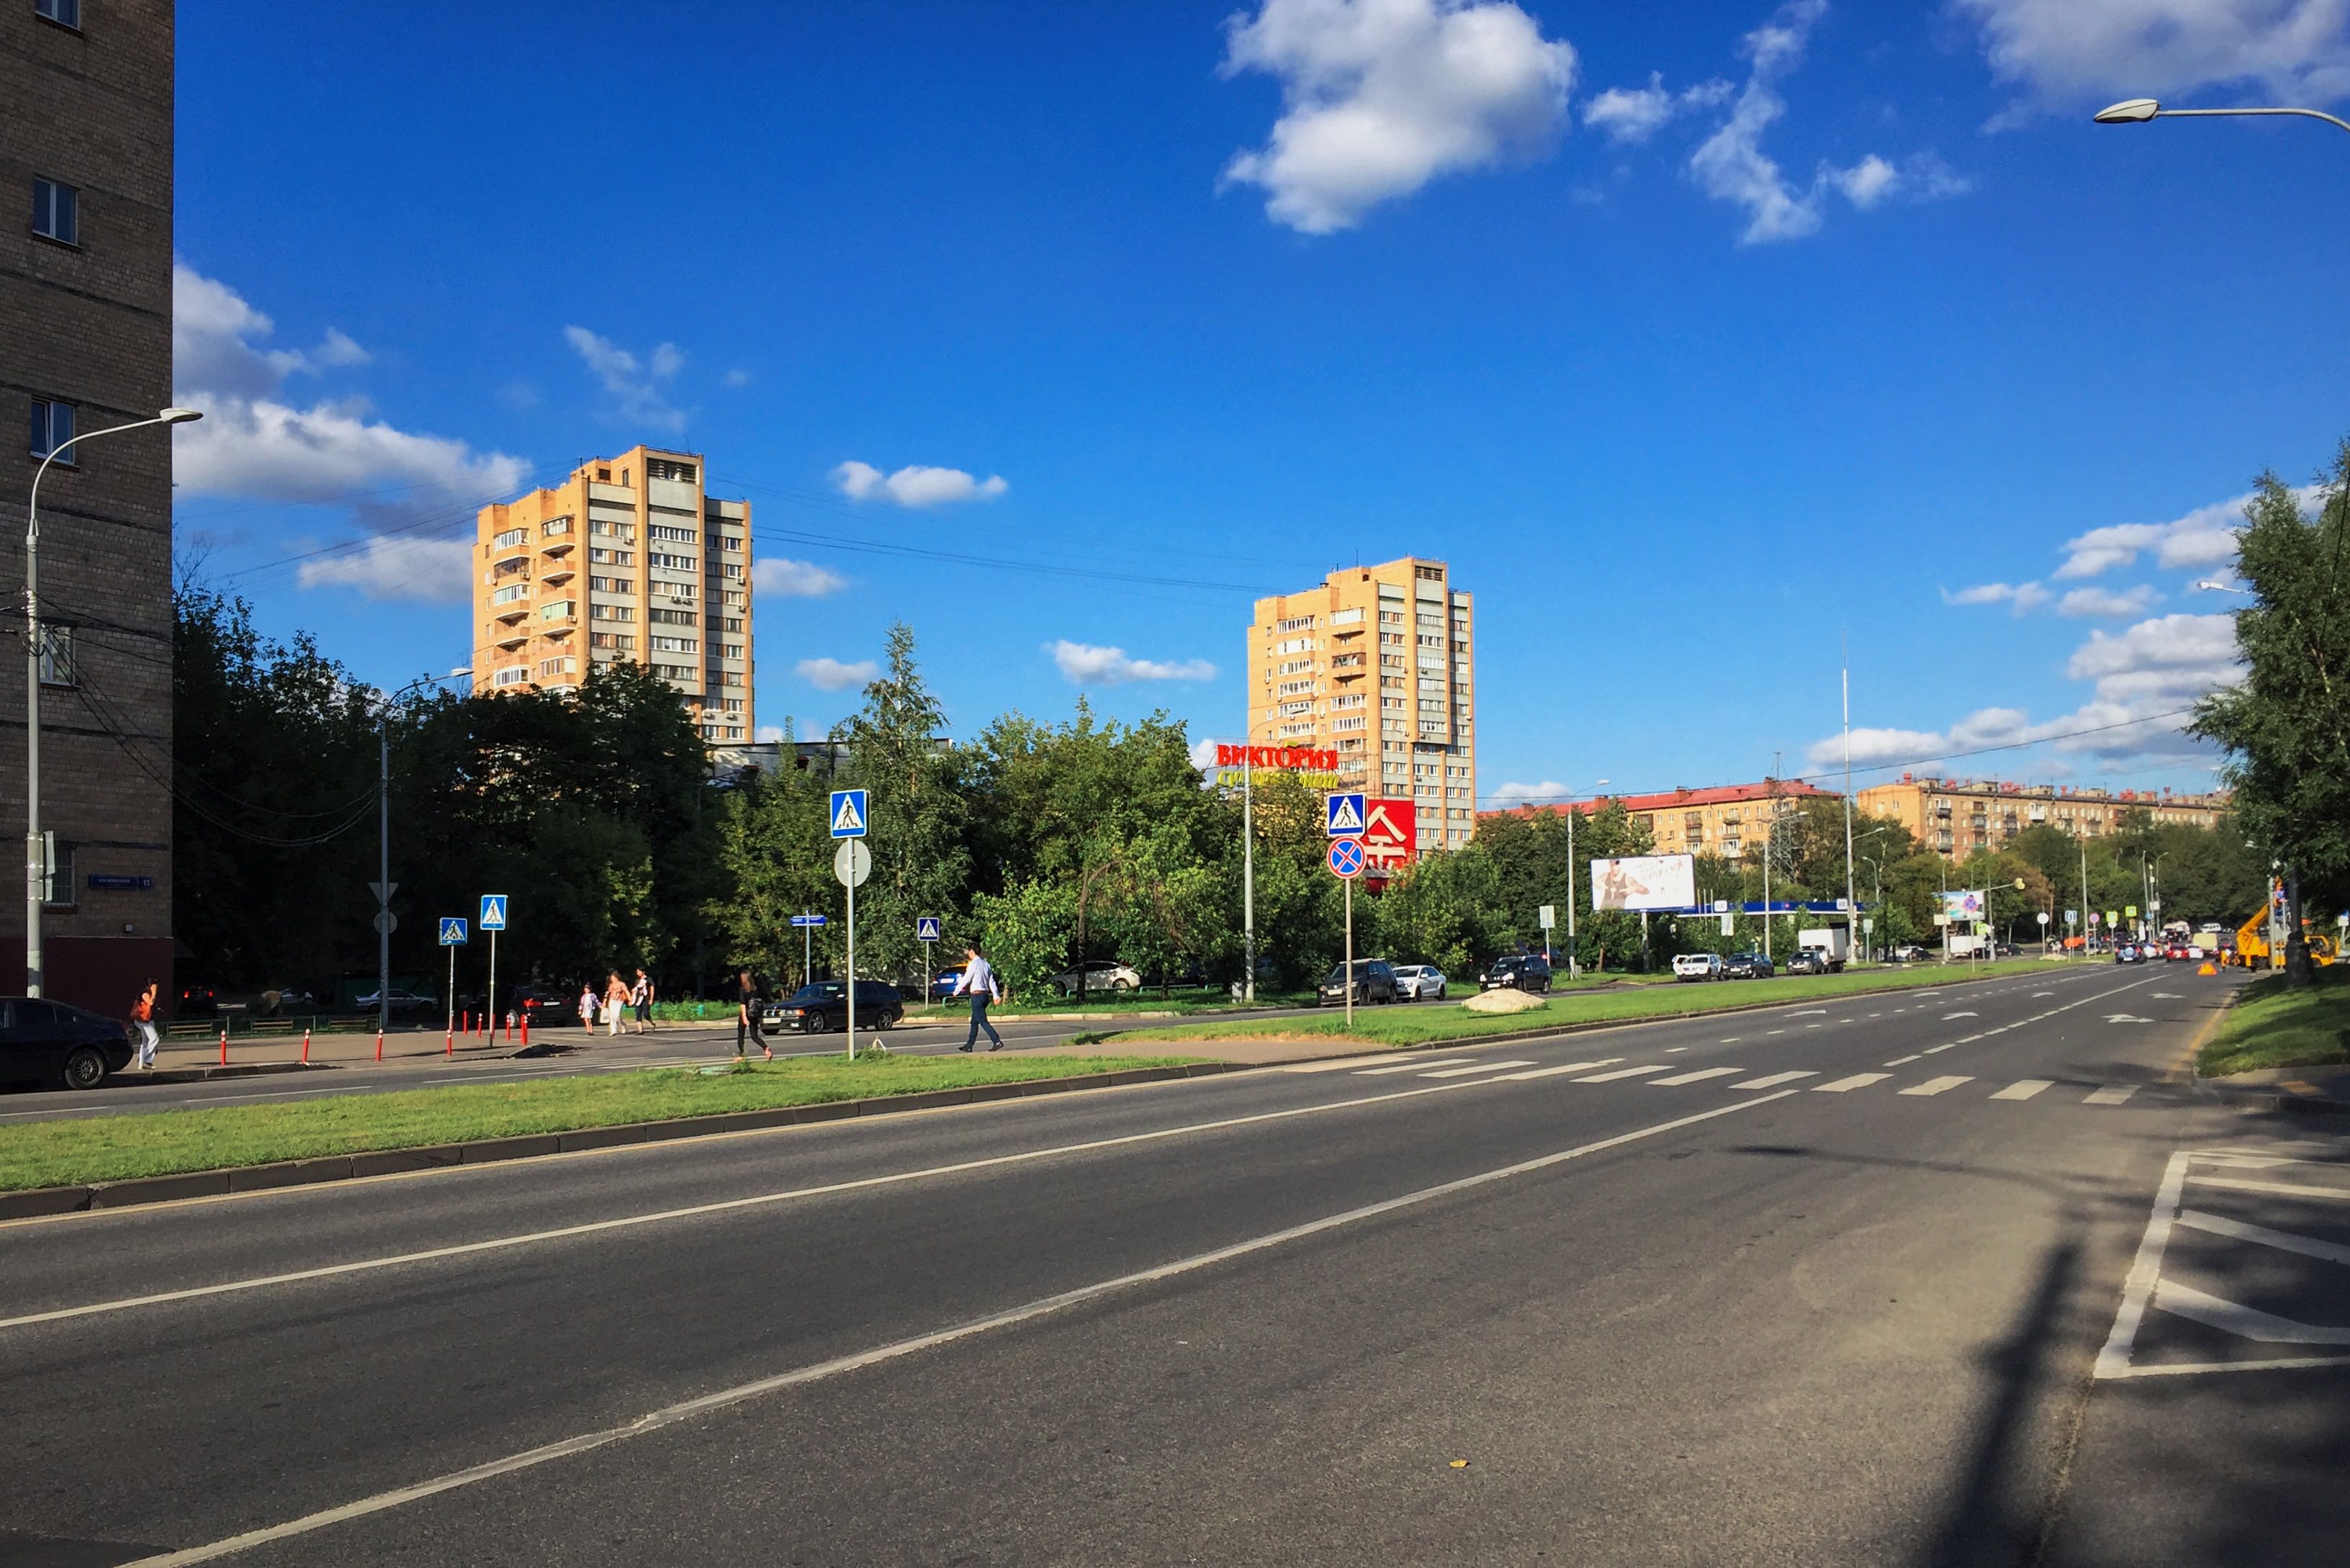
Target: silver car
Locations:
point(1101, 974)
point(1416, 981)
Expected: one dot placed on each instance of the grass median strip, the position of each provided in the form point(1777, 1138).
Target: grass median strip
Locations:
point(2273, 1025)
point(1409, 1024)
point(164, 1143)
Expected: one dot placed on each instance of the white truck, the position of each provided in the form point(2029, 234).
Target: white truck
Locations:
point(1832, 943)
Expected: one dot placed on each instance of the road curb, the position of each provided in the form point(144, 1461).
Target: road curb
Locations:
point(234, 1070)
point(42, 1201)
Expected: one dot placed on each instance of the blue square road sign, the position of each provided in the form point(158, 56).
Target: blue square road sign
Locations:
point(494, 912)
point(1345, 818)
point(849, 816)
point(926, 927)
point(453, 930)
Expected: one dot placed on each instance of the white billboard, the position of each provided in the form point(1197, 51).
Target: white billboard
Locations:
point(1644, 882)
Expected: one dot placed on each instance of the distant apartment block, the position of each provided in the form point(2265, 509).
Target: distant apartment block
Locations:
point(1732, 820)
point(627, 561)
point(1377, 664)
point(86, 170)
point(1959, 816)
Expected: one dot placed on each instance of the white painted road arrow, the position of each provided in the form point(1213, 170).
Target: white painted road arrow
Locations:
point(1948, 1016)
point(2125, 1018)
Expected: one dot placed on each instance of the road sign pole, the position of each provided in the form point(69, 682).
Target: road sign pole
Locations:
point(808, 952)
point(1350, 954)
point(453, 991)
point(490, 1004)
point(1248, 875)
point(852, 968)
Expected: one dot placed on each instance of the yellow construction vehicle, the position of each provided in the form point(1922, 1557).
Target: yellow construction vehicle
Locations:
point(2253, 950)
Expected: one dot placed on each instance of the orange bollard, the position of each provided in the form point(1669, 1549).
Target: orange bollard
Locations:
point(379, 1045)
point(224, 1061)
point(525, 1031)
point(306, 1045)
point(451, 1043)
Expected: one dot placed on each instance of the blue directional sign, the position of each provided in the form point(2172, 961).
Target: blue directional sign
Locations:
point(848, 813)
point(1346, 858)
point(807, 919)
point(1345, 816)
point(926, 927)
point(494, 912)
point(453, 930)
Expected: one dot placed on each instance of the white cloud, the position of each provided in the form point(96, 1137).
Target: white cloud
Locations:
point(1632, 115)
point(1511, 794)
point(769, 734)
point(422, 571)
point(2024, 596)
point(2107, 602)
point(1203, 753)
point(736, 377)
point(832, 675)
point(1084, 664)
point(915, 485)
point(779, 577)
point(1380, 96)
point(637, 388)
point(1730, 165)
point(2077, 53)
point(2204, 538)
point(256, 443)
point(2139, 680)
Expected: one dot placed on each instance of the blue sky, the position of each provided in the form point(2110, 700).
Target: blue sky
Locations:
point(1698, 344)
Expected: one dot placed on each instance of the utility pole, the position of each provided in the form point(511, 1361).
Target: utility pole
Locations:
point(1851, 901)
point(1248, 870)
point(2084, 897)
point(1574, 967)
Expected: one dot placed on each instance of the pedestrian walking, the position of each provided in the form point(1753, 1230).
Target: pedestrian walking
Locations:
point(641, 996)
point(747, 1003)
point(978, 984)
point(142, 1026)
point(616, 1003)
point(586, 1006)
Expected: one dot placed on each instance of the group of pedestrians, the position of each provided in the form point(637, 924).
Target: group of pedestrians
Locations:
point(622, 1002)
point(978, 982)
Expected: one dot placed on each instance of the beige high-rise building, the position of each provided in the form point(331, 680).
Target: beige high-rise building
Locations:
point(1377, 664)
point(628, 559)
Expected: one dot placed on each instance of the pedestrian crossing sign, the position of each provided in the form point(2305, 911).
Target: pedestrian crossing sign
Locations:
point(848, 813)
point(1345, 816)
point(453, 930)
point(926, 929)
point(493, 912)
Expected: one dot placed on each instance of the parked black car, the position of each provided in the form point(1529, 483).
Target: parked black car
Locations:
point(1375, 981)
point(49, 1042)
point(823, 1006)
point(1747, 966)
point(1528, 972)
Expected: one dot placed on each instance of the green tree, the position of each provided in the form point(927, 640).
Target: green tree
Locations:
point(918, 813)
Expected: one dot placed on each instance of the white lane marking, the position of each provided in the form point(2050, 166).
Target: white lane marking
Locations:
point(1415, 1066)
point(2245, 1321)
point(2164, 995)
point(1675, 1050)
point(2037, 994)
point(722, 1205)
point(1901, 1060)
point(1808, 1012)
point(2114, 1360)
point(1876, 1015)
point(1728, 1040)
point(1933, 1049)
point(2024, 1088)
point(1777, 1032)
point(1480, 1068)
point(1342, 1064)
point(1858, 1081)
point(1773, 1081)
point(1562, 1068)
point(1618, 1072)
point(1697, 1078)
point(1948, 1016)
point(2283, 1240)
point(2275, 1188)
point(1934, 1086)
point(669, 1415)
point(1810, 1026)
point(2111, 1095)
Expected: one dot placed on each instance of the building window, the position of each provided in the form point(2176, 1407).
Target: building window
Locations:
point(57, 211)
point(52, 427)
point(64, 13)
point(57, 655)
point(514, 677)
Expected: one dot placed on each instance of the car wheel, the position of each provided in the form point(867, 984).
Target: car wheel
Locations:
point(890, 1018)
point(1117, 984)
point(85, 1068)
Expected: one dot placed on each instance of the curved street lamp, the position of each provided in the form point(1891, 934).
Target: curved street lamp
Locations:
point(36, 869)
point(2130, 111)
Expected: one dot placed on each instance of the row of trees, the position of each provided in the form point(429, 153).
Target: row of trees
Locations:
point(1053, 841)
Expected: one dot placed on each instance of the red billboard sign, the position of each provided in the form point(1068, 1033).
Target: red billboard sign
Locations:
point(1390, 832)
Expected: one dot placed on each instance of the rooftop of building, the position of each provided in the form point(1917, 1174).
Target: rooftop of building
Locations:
point(2021, 791)
point(1676, 799)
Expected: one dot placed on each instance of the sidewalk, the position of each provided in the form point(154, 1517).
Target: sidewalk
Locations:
point(2320, 1090)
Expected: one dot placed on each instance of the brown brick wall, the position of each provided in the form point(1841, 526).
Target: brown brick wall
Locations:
point(92, 325)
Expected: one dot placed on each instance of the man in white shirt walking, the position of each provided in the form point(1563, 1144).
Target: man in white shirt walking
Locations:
point(978, 984)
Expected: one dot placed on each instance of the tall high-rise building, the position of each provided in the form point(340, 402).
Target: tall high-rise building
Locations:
point(86, 148)
point(1377, 664)
point(628, 560)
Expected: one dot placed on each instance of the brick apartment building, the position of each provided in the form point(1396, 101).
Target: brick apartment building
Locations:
point(1959, 816)
point(1728, 820)
point(86, 150)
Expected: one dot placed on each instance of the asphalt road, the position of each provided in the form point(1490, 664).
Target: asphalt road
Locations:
point(1824, 1285)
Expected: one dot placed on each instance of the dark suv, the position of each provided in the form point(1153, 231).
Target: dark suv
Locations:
point(1747, 966)
point(1375, 981)
point(1529, 972)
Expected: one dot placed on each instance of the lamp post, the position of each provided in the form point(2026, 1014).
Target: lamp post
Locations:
point(1574, 954)
point(2129, 112)
point(37, 871)
point(383, 921)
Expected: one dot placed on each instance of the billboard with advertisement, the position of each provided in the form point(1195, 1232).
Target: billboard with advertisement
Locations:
point(1965, 904)
point(1390, 831)
point(1316, 767)
point(1637, 882)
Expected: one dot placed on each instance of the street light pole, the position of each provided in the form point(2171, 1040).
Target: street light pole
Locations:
point(2130, 111)
point(36, 869)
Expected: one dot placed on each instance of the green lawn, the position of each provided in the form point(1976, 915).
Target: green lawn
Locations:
point(1430, 1023)
point(2276, 1026)
point(110, 1149)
